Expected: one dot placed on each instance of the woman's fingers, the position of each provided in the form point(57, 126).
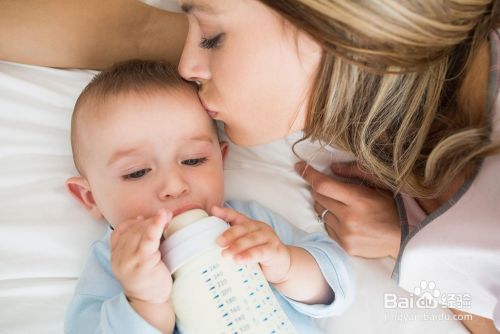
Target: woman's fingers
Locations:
point(335, 207)
point(329, 216)
point(330, 230)
point(361, 218)
point(326, 185)
point(330, 220)
point(351, 170)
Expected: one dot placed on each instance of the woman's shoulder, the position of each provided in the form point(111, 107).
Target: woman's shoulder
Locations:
point(110, 31)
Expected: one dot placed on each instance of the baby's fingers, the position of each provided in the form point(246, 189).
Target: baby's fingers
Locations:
point(229, 215)
point(125, 235)
point(244, 243)
point(235, 232)
point(257, 254)
point(152, 233)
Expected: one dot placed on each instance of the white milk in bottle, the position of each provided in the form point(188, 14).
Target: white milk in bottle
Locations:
point(211, 294)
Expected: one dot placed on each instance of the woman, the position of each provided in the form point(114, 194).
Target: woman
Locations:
point(401, 85)
point(405, 86)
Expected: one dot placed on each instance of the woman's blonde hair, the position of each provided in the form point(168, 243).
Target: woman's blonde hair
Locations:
point(387, 87)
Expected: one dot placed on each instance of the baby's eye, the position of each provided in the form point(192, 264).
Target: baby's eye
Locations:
point(137, 174)
point(194, 162)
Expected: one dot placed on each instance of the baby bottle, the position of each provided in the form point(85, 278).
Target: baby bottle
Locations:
point(211, 294)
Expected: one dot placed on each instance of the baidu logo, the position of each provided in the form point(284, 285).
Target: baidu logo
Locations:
point(426, 296)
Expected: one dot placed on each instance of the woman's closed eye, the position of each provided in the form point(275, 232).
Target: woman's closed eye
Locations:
point(194, 162)
point(137, 174)
point(211, 43)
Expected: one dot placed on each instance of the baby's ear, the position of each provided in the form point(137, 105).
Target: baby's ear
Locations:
point(79, 188)
point(223, 148)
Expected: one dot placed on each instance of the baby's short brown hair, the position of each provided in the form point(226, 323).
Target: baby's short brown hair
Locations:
point(133, 76)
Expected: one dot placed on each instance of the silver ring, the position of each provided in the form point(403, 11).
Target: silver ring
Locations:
point(197, 82)
point(321, 217)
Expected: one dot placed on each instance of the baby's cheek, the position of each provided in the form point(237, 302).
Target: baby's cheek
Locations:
point(126, 210)
point(216, 189)
point(218, 193)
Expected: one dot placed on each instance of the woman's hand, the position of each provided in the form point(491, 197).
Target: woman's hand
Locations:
point(252, 241)
point(361, 218)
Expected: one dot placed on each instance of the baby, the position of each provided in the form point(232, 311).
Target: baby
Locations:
point(146, 150)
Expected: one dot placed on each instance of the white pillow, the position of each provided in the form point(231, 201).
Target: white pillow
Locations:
point(45, 234)
point(170, 5)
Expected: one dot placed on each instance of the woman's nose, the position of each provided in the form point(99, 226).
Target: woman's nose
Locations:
point(173, 186)
point(194, 62)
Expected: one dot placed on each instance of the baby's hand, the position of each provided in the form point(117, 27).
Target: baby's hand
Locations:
point(250, 241)
point(136, 259)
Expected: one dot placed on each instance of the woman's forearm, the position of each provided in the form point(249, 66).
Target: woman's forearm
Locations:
point(474, 323)
point(305, 281)
point(88, 34)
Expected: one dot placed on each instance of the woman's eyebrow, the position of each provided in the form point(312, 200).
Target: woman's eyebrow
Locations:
point(189, 7)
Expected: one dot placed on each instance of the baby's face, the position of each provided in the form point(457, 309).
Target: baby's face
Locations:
point(151, 152)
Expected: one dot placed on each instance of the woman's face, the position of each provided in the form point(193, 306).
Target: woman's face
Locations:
point(255, 69)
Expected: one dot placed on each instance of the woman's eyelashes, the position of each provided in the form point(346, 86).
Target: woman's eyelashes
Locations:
point(137, 174)
point(194, 162)
point(211, 43)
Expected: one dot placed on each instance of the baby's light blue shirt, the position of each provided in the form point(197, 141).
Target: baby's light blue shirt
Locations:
point(100, 306)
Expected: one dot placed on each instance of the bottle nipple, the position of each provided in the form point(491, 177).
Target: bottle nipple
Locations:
point(184, 219)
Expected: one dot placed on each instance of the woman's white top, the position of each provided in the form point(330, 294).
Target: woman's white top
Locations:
point(453, 254)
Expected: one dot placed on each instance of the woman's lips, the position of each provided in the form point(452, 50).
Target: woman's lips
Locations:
point(209, 110)
point(212, 114)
